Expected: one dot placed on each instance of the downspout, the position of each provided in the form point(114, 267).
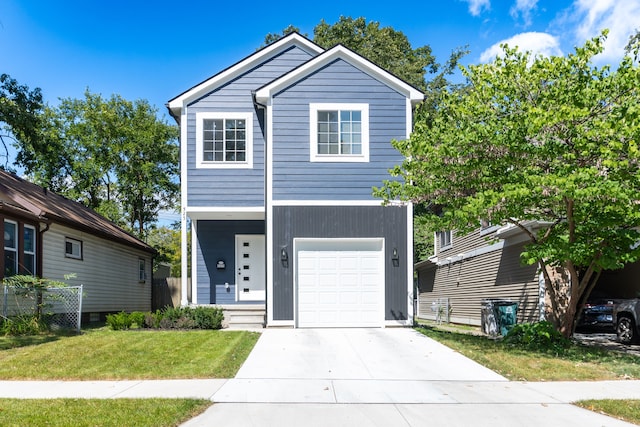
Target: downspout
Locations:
point(40, 249)
point(259, 106)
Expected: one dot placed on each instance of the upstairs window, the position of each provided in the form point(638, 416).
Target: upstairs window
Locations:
point(224, 140)
point(444, 239)
point(339, 132)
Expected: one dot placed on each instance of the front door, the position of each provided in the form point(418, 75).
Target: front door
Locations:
point(250, 267)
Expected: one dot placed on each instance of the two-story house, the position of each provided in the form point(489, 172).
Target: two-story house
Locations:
point(279, 154)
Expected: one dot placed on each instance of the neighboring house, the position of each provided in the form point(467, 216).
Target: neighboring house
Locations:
point(486, 264)
point(279, 156)
point(49, 236)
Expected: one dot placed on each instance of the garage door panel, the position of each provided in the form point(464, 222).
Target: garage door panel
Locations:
point(340, 288)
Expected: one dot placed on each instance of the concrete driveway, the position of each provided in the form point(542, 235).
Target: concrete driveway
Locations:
point(378, 377)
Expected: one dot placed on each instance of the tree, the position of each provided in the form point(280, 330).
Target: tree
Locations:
point(166, 240)
point(535, 140)
point(112, 155)
point(20, 110)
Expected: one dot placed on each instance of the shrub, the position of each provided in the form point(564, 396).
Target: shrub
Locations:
point(537, 336)
point(24, 324)
point(119, 321)
point(137, 319)
point(208, 317)
point(152, 320)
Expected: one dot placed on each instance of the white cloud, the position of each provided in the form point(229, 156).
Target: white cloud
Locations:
point(476, 6)
point(524, 9)
point(622, 18)
point(537, 43)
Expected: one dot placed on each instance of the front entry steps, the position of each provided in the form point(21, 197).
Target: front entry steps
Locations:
point(250, 316)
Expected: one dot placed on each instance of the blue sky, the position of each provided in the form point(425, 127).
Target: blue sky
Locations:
point(155, 50)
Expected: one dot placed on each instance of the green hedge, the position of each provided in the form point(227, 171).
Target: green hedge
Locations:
point(168, 318)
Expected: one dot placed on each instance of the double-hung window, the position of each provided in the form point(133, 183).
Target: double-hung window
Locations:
point(224, 140)
point(10, 248)
point(29, 250)
point(339, 132)
point(444, 238)
point(142, 270)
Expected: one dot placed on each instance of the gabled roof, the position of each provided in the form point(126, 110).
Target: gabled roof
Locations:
point(32, 201)
point(338, 52)
point(176, 104)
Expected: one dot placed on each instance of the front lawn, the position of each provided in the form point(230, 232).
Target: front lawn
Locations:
point(103, 354)
point(100, 412)
point(576, 363)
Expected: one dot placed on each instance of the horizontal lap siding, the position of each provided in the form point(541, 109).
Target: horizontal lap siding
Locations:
point(291, 222)
point(497, 274)
point(294, 177)
point(235, 187)
point(216, 241)
point(108, 271)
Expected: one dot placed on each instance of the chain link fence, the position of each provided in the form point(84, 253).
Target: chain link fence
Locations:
point(59, 307)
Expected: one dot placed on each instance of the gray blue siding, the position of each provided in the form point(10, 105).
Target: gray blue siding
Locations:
point(294, 177)
point(291, 222)
point(235, 187)
point(216, 241)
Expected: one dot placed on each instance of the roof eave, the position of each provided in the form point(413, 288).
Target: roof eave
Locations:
point(176, 104)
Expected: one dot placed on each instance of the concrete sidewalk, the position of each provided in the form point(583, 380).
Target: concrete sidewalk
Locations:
point(384, 377)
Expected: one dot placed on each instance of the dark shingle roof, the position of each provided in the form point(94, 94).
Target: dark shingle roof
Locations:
point(34, 201)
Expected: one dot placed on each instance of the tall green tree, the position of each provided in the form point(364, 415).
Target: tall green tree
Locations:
point(552, 142)
point(112, 155)
point(20, 111)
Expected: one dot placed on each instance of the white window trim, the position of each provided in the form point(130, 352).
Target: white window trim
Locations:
point(313, 133)
point(73, 242)
point(201, 164)
point(14, 249)
point(448, 245)
point(32, 253)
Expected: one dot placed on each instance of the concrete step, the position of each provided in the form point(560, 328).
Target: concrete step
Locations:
point(244, 317)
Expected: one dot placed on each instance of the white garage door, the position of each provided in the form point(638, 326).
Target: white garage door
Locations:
point(340, 283)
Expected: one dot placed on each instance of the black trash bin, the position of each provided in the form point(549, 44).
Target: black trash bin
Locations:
point(498, 316)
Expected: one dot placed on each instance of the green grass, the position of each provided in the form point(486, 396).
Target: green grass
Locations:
point(627, 410)
point(102, 354)
point(96, 412)
point(577, 363)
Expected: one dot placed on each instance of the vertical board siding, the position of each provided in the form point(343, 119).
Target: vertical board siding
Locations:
point(497, 274)
point(109, 271)
point(216, 241)
point(390, 223)
point(294, 176)
point(235, 187)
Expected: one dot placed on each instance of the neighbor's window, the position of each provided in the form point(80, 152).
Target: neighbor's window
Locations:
point(10, 248)
point(339, 132)
point(444, 238)
point(29, 250)
point(224, 140)
point(73, 248)
point(142, 272)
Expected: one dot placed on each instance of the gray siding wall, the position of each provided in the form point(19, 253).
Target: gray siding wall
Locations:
point(294, 177)
point(466, 242)
point(235, 187)
point(216, 241)
point(290, 222)
point(497, 274)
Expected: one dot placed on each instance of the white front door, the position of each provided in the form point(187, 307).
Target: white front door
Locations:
point(250, 267)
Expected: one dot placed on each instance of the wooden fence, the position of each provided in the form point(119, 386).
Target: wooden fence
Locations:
point(167, 292)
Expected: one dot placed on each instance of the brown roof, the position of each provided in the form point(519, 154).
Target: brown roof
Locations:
point(31, 200)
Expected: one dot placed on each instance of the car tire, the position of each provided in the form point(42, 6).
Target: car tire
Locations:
point(626, 330)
